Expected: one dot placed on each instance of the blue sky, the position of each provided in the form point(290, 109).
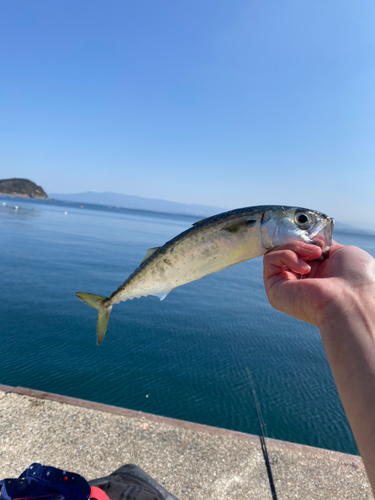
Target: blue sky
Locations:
point(225, 103)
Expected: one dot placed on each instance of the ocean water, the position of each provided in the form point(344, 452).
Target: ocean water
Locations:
point(186, 357)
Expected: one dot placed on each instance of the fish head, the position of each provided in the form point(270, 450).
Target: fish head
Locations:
point(280, 225)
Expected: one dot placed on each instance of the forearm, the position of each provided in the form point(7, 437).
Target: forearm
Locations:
point(348, 334)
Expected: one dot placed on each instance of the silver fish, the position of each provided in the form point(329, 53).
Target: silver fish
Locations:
point(211, 245)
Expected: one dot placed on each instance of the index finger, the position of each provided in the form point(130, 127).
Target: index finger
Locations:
point(305, 251)
point(288, 261)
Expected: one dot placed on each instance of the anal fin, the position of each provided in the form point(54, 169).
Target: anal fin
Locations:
point(162, 294)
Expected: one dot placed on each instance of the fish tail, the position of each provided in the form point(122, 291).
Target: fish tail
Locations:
point(98, 303)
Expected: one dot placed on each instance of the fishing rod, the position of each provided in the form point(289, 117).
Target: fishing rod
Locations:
point(262, 438)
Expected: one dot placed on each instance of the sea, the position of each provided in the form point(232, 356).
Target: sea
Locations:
point(191, 356)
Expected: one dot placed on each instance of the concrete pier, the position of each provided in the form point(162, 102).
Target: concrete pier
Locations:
point(191, 461)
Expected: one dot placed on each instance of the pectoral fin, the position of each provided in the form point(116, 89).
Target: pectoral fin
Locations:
point(239, 226)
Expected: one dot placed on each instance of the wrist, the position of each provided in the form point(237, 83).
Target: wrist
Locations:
point(347, 327)
point(350, 308)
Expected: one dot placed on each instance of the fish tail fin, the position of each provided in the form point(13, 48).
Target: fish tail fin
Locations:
point(98, 303)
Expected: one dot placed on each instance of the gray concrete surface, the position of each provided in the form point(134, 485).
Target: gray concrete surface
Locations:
point(192, 461)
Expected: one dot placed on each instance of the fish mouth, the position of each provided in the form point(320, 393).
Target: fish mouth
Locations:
point(322, 236)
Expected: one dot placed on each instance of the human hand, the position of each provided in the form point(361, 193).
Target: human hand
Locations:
point(338, 296)
point(347, 276)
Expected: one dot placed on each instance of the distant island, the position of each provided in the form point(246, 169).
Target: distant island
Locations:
point(22, 187)
point(139, 203)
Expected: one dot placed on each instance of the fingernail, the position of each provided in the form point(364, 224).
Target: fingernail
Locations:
point(304, 265)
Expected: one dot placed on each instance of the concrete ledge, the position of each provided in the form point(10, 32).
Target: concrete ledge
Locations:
point(193, 461)
point(127, 413)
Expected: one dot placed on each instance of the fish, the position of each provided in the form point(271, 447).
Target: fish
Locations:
point(210, 245)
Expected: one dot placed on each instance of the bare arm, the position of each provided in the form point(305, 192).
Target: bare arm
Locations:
point(338, 296)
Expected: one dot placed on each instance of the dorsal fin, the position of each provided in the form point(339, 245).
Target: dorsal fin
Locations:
point(149, 252)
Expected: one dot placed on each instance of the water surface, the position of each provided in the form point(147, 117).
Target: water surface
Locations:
point(185, 357)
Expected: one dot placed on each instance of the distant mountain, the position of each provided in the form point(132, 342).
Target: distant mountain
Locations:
point(138, 203)
point(22, 187)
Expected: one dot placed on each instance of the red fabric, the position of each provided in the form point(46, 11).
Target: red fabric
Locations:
point(98, 494)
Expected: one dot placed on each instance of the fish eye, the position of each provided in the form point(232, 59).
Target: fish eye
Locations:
point(302, 219)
